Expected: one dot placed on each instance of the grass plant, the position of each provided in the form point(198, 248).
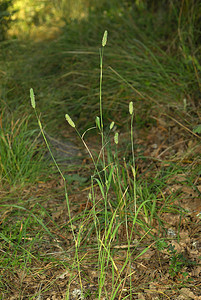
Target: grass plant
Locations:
point(18, 147)
point(132, 201)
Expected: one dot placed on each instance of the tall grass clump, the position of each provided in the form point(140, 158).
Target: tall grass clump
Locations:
point(122, 209)
point(75, 238)
point(20, 160)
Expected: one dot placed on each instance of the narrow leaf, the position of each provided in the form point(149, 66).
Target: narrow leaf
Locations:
point(197, 129)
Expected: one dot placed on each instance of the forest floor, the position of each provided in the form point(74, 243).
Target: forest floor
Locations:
point(169, 269)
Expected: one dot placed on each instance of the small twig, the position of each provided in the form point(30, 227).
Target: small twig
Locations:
point(186, 128)
point(170, 147)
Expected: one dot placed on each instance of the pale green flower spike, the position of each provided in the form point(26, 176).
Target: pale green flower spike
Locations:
point(116, 138)
point(111, 125)
point(69, 120)
point(33, 103)
point(104, 40)
point(131, 107)
point(98, 122)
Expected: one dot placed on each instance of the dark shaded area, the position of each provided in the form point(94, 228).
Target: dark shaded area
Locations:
point(6, 13)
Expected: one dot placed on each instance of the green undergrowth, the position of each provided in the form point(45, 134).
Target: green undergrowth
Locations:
point(20, 161)
point(139, 68)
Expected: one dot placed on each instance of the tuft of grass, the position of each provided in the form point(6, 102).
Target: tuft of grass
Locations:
point(20, 160)
point(119, 202)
